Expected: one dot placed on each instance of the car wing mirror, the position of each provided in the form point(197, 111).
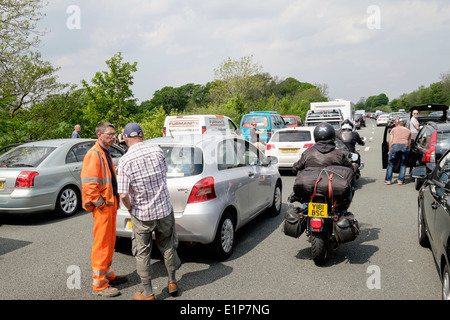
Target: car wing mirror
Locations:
point(419, 173)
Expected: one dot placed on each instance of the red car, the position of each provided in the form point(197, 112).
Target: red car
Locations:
point(293, 121)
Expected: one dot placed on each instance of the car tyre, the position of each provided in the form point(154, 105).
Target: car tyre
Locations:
point(275, 209)
point(222, 246)
point(68, 202)
point(422, 236)
point(445, 283)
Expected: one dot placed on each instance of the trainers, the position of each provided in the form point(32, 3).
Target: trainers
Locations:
point(400, 183)
point(387, 182)
point(107, 292)
point(172, 287)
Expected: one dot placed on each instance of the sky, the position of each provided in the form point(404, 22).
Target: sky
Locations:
point(357, 48)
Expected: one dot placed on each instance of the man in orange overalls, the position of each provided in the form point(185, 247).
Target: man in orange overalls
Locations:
point(99, 189)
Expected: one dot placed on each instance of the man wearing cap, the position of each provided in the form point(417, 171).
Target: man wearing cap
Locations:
point(143, 189)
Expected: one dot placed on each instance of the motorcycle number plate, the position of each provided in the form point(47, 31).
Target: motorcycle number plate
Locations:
point(318, 210)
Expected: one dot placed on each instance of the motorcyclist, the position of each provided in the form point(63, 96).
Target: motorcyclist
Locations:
point(323, 153)
point(350, 137)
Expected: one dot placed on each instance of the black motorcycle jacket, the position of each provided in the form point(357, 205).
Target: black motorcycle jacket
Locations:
point(322, 154)
point(350, 139)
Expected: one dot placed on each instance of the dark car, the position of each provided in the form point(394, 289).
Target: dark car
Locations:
point(434, 216)
point(361, 119)
point(431, 142)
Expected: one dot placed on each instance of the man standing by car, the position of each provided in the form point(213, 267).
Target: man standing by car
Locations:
point(399, 142)
point(414, 126)
point(99, 190)
point(143, 190)
point(76, 131)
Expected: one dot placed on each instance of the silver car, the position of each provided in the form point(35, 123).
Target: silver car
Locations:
point(45, 175)
point(217, 184)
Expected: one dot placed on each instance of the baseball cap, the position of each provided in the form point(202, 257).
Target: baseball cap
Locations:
point(133, 129)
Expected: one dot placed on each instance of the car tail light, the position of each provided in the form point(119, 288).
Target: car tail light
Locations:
point(203, 190)
point(270, 146)
point(25, 179)
point(203, 130)
point(429, 156)
point(164, 132)
point(307, 145)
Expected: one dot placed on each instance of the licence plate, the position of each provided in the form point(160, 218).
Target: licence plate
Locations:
point(318, 210)
point(1, 184)
point(291, 150)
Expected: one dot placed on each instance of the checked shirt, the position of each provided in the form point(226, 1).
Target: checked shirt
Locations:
point(142, 174)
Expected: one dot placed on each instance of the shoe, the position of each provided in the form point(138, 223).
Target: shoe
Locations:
point(400, 183)
point(118, 280)
point(387, 182)
point(107, 292)
point(172, 287)
point(141, 296)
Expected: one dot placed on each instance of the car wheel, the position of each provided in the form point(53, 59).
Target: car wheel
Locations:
point(423, 238)
point(275, 209)
point(445, 284)
point(222, 246)
point(68, 202)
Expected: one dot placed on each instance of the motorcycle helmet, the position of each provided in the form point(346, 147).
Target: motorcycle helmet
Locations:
point(347, 125)
point(324, 131)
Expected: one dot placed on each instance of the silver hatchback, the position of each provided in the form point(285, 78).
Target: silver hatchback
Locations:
point(45, 175)
point(217, 184)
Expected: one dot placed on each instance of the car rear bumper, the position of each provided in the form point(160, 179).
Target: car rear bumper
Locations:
point(25, 203)
point(198, 222)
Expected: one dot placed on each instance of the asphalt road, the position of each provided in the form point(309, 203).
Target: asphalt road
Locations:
point(47, 258)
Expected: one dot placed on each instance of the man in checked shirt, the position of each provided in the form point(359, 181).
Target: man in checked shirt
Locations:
point(143, 189)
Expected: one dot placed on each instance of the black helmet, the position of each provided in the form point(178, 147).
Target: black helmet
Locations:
point(324, 131)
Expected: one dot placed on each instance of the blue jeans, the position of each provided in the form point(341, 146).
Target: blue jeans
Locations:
point(398, 151)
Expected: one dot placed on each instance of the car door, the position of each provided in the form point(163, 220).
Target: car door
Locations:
point(75, 156)
point(437, 206)
point(259, 185)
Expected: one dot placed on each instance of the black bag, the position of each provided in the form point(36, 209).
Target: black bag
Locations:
point(334, 182)
point(346, 229)
point(293, 225)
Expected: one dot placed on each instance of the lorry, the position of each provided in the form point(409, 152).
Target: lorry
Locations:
point(347, 107)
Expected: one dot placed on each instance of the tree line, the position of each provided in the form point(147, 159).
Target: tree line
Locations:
point(35, 106)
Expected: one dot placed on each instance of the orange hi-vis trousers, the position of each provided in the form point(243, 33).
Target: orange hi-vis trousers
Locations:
point(103, 246)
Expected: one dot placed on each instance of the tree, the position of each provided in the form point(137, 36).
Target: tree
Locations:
point(235, 78)
point(109, 98)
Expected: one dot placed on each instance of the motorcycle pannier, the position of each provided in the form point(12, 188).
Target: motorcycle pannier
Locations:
point(346, 229)
point(334, 182)
point(293, 225)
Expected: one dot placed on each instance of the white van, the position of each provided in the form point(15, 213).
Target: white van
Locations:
point(199, 124)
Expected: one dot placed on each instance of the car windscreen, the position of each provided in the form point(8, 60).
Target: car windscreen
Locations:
point(183, 161)
point(28, 156)
point(289, 120)
point(261, 121)
point(291, 136)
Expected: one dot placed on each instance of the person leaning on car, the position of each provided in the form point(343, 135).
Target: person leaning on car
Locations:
point(143, 190)
point(414, 126)
point(99, 190)
point(399, 142)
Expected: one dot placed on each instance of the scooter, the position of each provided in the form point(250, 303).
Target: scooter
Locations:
point(326, 223)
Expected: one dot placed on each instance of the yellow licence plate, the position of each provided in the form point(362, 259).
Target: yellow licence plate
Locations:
point(292, 150)
point(1, 184)
point(318, 210)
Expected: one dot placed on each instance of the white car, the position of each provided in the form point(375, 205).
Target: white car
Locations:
point(287, 145)
point(383, 120)
point(217, 184)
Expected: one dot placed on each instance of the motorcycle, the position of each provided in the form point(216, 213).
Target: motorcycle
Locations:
point(325, 221)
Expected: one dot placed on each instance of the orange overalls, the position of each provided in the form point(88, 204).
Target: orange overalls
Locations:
point(98, 197)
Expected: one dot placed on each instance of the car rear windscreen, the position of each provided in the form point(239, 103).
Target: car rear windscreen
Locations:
point(183, 161)
point(292, 136)
point(29, 156)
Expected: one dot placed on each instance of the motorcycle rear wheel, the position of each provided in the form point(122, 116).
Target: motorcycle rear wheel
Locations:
point(319, 247)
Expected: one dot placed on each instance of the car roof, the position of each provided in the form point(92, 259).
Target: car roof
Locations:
point(56, 142)
point(440, 125)
point(191, 139)
point(296, 129)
